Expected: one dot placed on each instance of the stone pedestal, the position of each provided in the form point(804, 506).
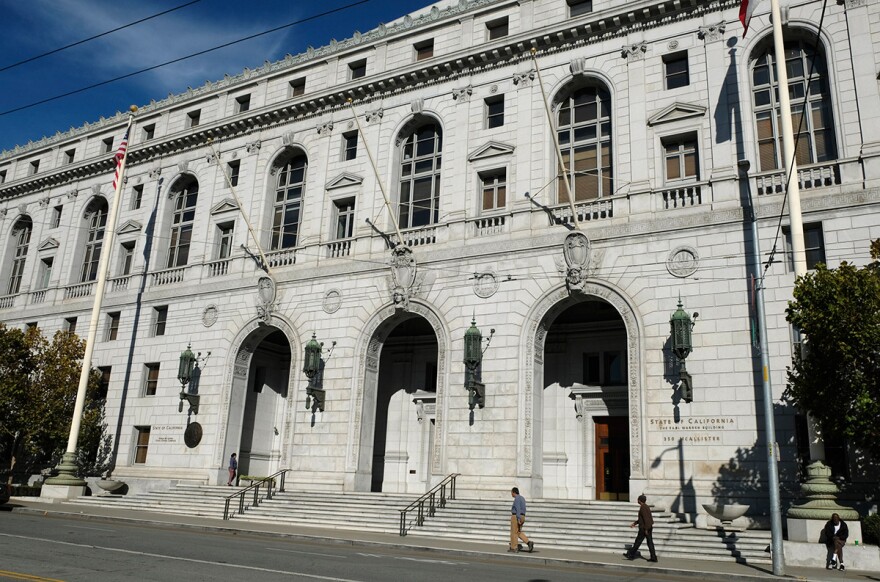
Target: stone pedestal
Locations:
point(821, 494)
point(54, 493)
point(810, 530)
point(863, 558)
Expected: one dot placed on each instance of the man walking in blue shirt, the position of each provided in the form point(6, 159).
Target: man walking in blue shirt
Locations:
point(517, 519)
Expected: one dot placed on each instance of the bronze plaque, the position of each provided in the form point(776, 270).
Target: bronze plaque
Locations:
point(192, 436)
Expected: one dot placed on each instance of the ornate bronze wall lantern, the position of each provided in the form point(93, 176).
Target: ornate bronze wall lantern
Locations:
point(473, 358)
point(682, 345)
point(313, 368)
point(187, 372)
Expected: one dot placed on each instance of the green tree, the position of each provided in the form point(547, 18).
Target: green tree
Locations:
point(38, 384)
point(836, 377)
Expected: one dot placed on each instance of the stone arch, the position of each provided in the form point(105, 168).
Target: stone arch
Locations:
point(365, 378)
point(241, 351)
point(534, 333)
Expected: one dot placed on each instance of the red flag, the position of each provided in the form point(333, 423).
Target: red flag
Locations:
point(746, 9)
point(120, 155)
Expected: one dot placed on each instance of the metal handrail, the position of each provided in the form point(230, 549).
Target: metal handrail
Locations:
point(434, 504)
point(270, 486)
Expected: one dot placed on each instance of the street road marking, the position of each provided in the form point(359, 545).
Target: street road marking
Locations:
point(307, 553)
point(178, 558)
point(425, 560)
point(20, 576)
point(91, 528)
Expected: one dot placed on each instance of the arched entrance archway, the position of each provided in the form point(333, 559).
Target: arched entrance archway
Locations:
point(397, 417)
point(559, 425)
point(257, 398)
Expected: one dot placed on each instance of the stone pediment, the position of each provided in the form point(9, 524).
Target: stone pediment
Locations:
point(130, 227)
point(676, 112)
point(226, 205)
point(48, 244)
point(490, 150)
point(343, 180)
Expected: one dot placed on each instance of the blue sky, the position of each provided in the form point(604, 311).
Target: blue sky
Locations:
point(37, 26)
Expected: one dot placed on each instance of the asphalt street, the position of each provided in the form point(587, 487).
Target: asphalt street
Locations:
point(51, 547)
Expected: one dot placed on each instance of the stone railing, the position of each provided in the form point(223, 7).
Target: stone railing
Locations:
point(38, 296)
point(217, 268)
point(586, 211)
point(281, 258)
point(809, 177)
point(489, 225)
point(167, 276)
point(426, 235)
point(79, 290)
point(684, 196)
point(339, 248)
point(7, 301)
point(119, 283)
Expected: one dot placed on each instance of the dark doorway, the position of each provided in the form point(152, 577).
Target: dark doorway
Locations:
point(612, 458)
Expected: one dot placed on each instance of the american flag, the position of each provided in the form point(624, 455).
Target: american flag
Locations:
point(746, 9)
point(120, 155)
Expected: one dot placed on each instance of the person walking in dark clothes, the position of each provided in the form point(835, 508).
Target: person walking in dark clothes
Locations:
point(645, 522)
point(233, 467)
point(836, 533)
point(517, 520)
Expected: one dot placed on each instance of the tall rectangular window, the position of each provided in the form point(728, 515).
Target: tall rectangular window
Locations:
point(497, 28)
point(69, 155)
point(106, 145)
point(45, 272)
point(242, 103)
point(141, 444)
point(21, 236)
point(148, 132)
point(104, 383)
point(137, 196)
point(70, 324)
point(814, 244)
point(182, 224)
point(160, 319)
point(225, 233)
point(424, 50)
point(675, 69)
point(297, 87)
point(112, 325)
point(232, 169)
point(151, 378)
point(349, 145)
point(193, 118)
point(494, 111)
point(357, 69)
point(579, 7)
point(344, 218)
point(126, 257)
point(56, 216)
point(494, 189)
point(681, 159)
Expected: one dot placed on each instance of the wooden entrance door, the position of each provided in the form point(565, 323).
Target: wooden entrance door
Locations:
point(612, 458)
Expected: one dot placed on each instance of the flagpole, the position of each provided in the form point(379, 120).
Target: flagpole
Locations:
point(66, 483)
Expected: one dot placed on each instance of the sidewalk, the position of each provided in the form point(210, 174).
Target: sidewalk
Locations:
point(589, 559)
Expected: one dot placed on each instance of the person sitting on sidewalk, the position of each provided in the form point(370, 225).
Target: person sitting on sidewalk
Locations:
point(836, 533)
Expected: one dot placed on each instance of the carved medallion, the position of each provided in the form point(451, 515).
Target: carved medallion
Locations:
point(265, 298)
point(576, 249)
point(683, 262)
point(332, 301)
point(209, 315)
point(485, 284)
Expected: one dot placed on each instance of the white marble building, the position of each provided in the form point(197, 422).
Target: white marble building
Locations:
point(655, 102)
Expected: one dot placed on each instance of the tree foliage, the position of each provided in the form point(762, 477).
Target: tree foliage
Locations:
point(836, 377)
point(38, 384)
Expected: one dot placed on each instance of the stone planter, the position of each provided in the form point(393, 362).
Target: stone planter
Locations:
point(110, 485)
point(726, 513)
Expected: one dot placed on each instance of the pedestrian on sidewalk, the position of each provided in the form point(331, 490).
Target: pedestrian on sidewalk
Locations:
point(517, 519)
point(836, 533)
point(645, 522)
point(233, 467)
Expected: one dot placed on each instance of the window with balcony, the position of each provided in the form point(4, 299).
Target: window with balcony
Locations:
point(682, 163)
point(21, 238)
point(584, 130)
point(95, 219)
point(290, 183)
point(126, 257)
point(420, 164)
point(811, 112)
point(494, 189)
point(45, 274)
point(225, 233)
point(186, 194)
point(344, 210)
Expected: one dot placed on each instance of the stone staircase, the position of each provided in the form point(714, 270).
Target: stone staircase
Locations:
point(558, 524)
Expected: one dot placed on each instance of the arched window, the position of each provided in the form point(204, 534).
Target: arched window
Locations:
point(96, 220)
point(185, 198)
point(584, 130)
point(290, 185)
point(21, 238)
point(420, 162)
point(811, 116)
